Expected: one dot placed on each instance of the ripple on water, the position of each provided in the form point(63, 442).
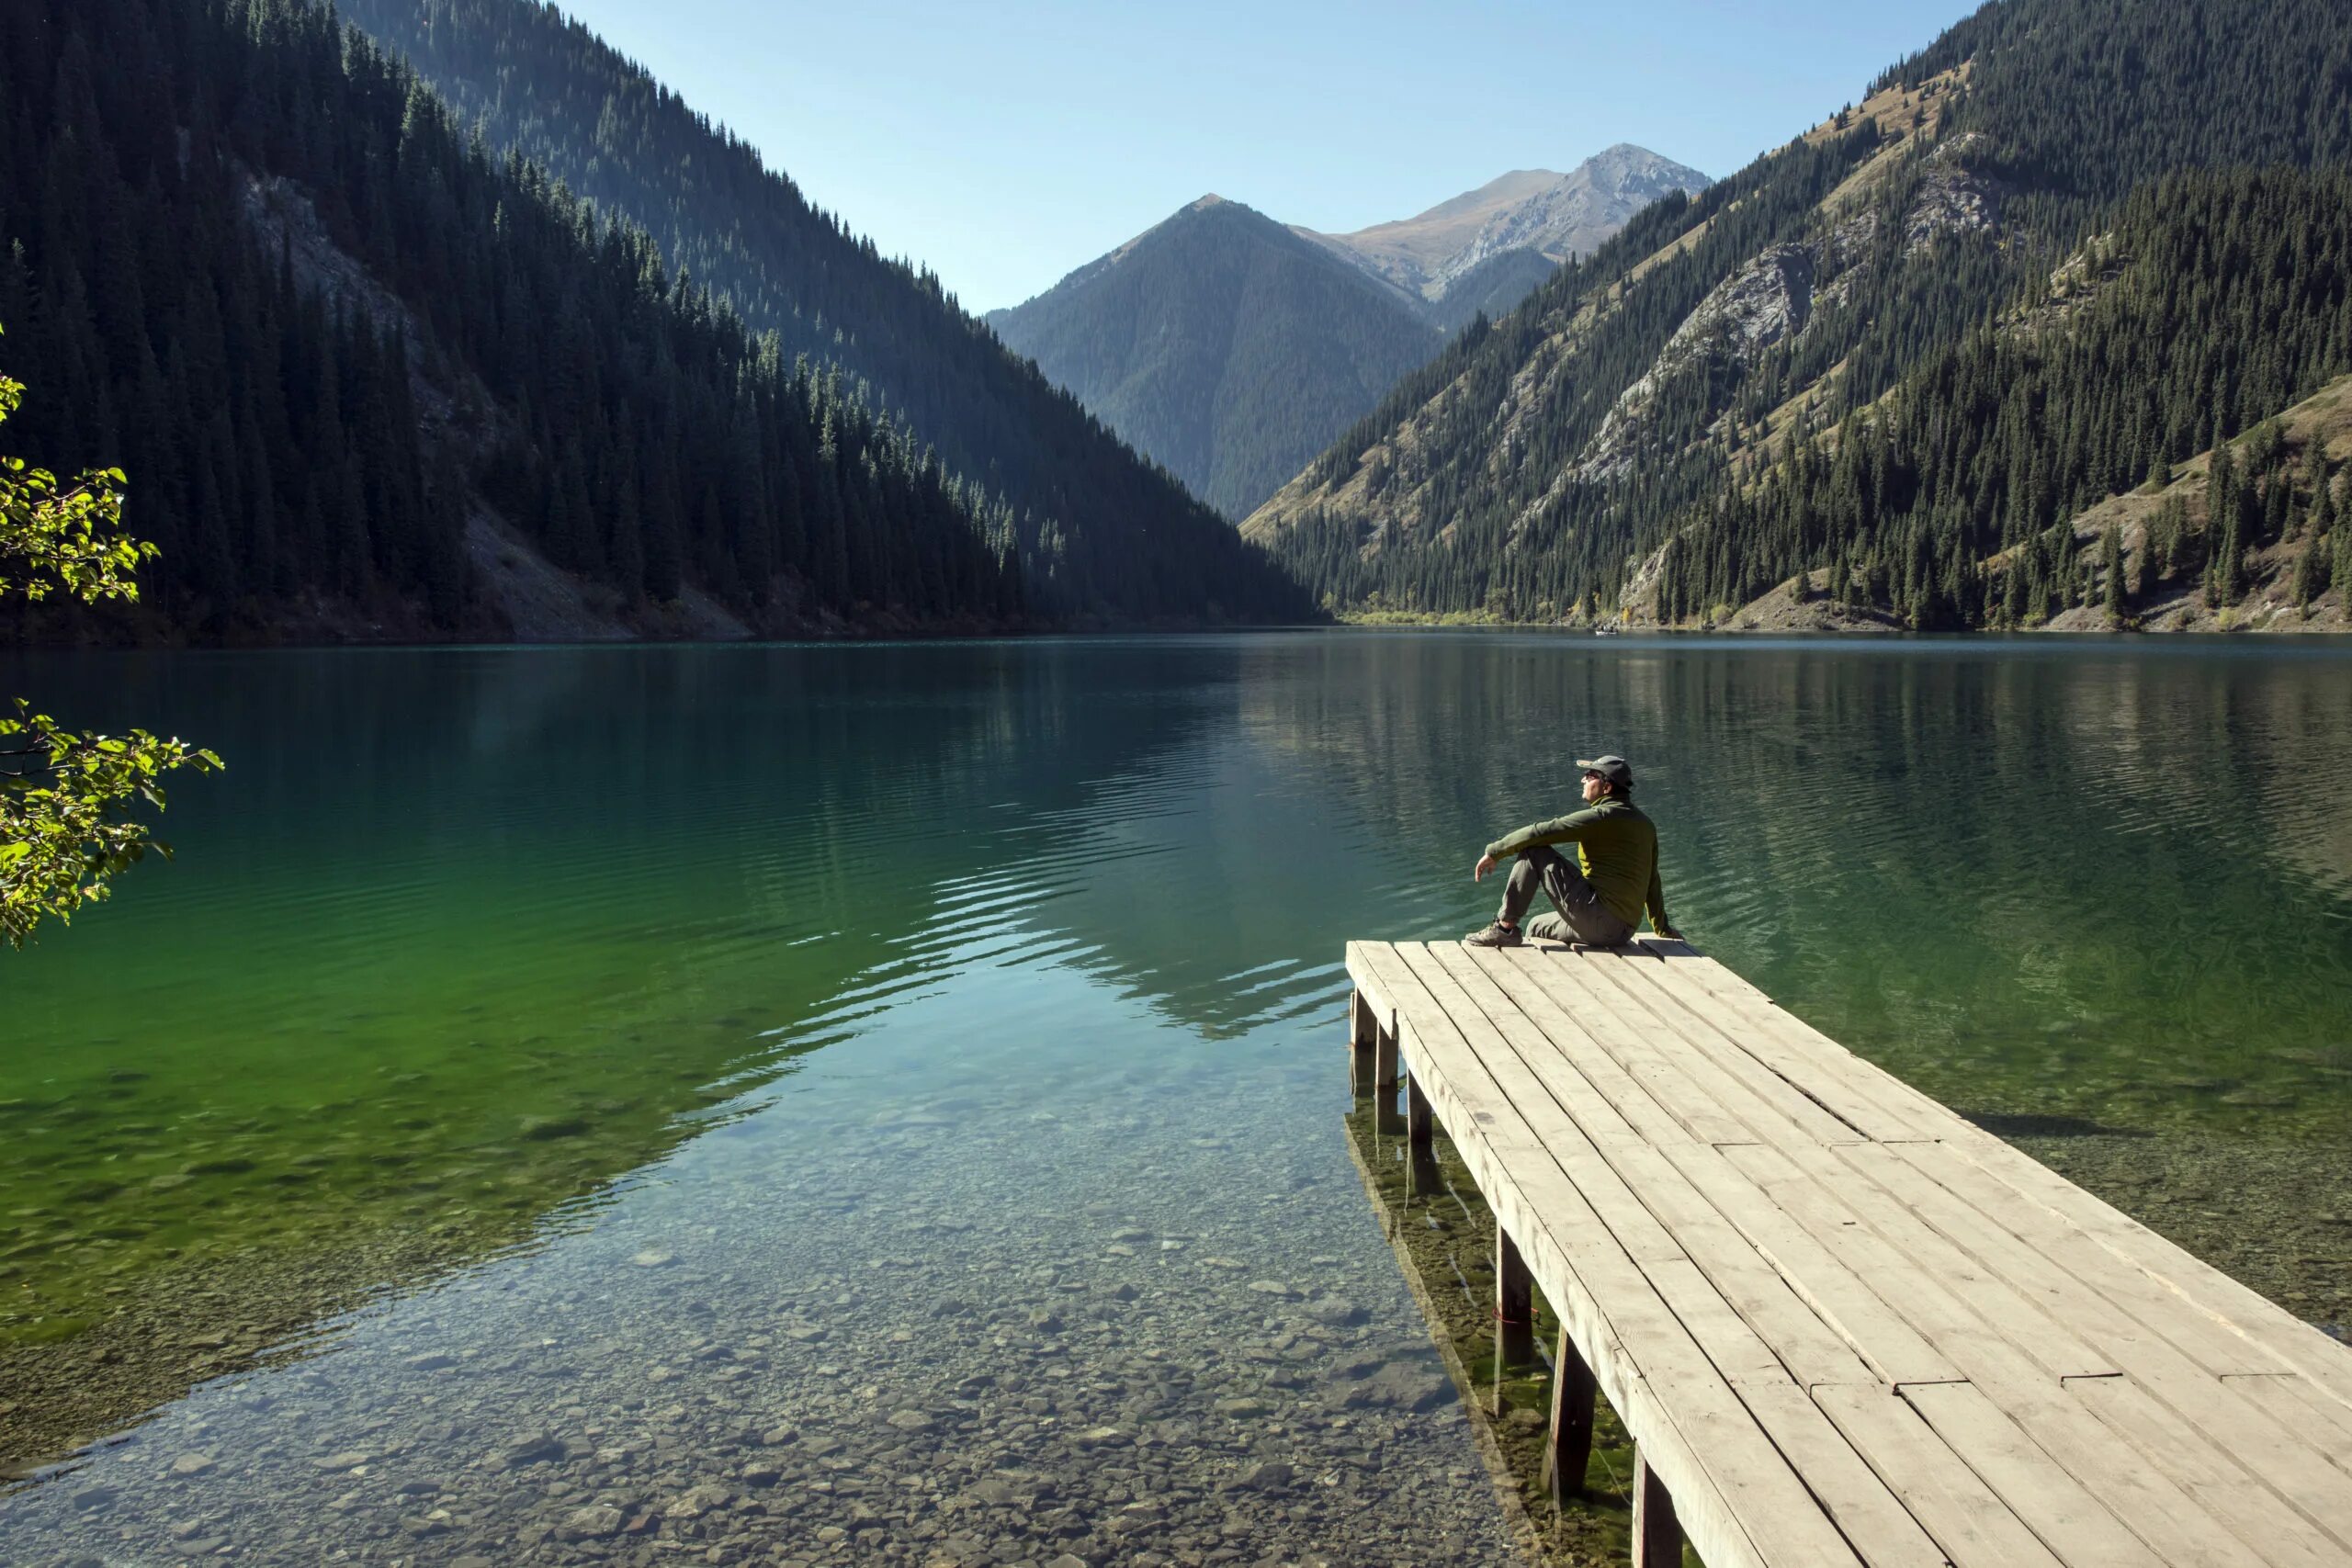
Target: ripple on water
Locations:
point(977, 957)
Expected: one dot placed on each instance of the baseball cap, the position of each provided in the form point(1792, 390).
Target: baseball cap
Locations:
point(1616, 770)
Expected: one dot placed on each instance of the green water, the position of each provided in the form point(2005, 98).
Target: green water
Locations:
point(463, 937)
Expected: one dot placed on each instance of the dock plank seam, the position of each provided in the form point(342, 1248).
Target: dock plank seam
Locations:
point(1843, 1323)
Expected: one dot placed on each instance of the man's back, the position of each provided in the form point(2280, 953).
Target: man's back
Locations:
point(1616, 850)
point(1598, 899)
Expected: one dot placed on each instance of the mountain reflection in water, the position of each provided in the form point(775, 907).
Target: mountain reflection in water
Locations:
point(469, 947)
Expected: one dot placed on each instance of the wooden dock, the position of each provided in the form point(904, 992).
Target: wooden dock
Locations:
point(1843, 1325)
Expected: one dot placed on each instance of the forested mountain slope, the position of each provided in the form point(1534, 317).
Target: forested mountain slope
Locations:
point(1223, 346)
point(1099, 535)
point(1540, 470)
point(252, 263)
point(2216, 298)
point(1232, 348)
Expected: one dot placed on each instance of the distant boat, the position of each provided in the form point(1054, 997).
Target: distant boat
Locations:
point(1607, 630)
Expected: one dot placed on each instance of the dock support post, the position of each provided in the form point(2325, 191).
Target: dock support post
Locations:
point(1385, 1121)
point(1363, 1032)
point(1514, 1304)
point(1420, 1150)
point(1575, 1393)
point(1657, 1535)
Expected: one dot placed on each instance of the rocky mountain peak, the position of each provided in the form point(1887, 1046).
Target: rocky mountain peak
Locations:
point(1548, 213)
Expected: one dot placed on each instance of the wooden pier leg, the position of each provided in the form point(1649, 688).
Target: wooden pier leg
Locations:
point(1421, 1149)
point(1362, 1034)
point(1657, 1535)
point(1385, 1121)
point(1575, 1392)
point(1514, 1304)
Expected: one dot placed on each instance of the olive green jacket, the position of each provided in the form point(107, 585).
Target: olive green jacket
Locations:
point(1616, 850)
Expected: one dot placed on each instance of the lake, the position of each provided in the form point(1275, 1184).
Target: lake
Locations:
point(805, 1103)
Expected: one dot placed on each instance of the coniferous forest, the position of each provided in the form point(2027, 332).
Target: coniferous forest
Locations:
point(351, 361)
point(537, 83)
point(371, 359)
point(2072, 241)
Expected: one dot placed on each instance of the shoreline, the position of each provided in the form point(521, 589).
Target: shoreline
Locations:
point(1857, 637)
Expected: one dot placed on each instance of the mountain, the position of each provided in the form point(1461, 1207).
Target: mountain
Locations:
point(1889, 362)
point(355, 405)
point(1222, 346)
point(371, 381)
point(1535, 211)
point(1232, 349)
point(1103, 535)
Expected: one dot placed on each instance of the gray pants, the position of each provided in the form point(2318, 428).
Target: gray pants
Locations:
point(1582, 916)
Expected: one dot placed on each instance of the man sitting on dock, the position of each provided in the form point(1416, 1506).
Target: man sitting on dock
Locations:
point(1600, 895)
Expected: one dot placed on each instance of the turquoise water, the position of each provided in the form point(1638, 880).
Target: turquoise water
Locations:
point(478, 968)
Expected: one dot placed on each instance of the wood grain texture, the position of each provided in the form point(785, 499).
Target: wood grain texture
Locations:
point(1842, 1324)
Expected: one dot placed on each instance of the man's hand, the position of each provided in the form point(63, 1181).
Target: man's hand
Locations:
point(1669, 932)
point(1486, 864)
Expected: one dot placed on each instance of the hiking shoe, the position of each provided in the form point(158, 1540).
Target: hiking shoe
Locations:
point(1495, 935)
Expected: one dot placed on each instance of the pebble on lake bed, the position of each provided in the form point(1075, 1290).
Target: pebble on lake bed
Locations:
point(995, 1403)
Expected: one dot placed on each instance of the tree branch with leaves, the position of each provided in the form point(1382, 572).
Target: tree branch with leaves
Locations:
point(65, 796)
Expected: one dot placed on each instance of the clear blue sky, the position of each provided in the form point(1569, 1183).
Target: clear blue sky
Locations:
point(1005, 144)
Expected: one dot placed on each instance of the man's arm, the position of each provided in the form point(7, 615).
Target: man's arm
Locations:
point(1656, 901)
point(1558, 830)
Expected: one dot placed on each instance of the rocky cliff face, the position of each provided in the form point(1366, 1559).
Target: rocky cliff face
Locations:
point(1765, 298)
point(1551, 215)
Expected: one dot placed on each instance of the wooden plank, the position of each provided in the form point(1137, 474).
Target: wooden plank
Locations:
point(1736, 1494)
point(1876, 1104)
point(1565, 1242)
point(2227, 1344)
point(2206, 1469)
point(2092, 1457)
point(1800, 1327)
point(1833, 1291)
point(1623, 1046)
point(2120, 1339)
point(2223, 1487)
point(1965, 1517)
point(2292, 1400)
point(2274, 1336)
point(2010, 1304)
point(1726, 1074)
point(2070, 1521)
point(2026, 1318)
point(1843, 1482)
point(1810, 1055)
point(2246, 1315)
point(2283, 1456)
point(1635, 1229)
point(1995, 1304)
point(1857, 1503)
point(1750, 1271)
point(1632, 981)
point(1922, 1300)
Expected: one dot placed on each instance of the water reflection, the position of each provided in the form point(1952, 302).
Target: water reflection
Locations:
point(755, 957)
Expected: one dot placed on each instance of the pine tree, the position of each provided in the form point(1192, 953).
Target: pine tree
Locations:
point(2110, 566)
